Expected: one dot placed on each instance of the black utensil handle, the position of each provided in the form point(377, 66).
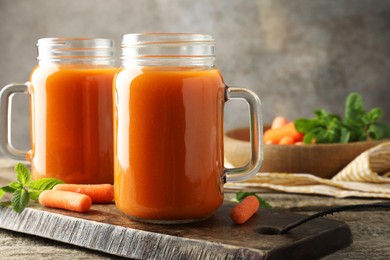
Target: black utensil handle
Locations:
point(378, 205)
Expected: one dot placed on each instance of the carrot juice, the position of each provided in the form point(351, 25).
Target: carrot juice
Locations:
point(168, 148)
point(71, 123)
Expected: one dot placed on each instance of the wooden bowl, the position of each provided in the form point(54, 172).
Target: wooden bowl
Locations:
point(322, 160)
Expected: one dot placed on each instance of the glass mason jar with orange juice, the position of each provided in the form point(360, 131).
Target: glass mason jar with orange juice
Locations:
point(71, 111)
point(168, 129)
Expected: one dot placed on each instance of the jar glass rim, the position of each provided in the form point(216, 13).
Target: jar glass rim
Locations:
point(168, 49)
point(76, 50)
point(165, 38)
point(78, 42)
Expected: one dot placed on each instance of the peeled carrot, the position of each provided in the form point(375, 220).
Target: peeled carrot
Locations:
point(274, 135)
point(245, 209)
point(278, 122)
point(286, 140)
point(99, 193)
point(65, 200)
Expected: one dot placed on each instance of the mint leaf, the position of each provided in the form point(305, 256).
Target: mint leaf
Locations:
point(8, 189)
point(375, 132)
point(385, 128)
point(15, 185)
point(242, 195)
point(354, 109)
point(20, 199)
point(345, 135)
point(23, 174)
point(378, 130)
point(354, 114)
point(263, 203)
point(372, 116)
point(305, 125)
point(309, 137)
point(44, 184)
point(2, 192)
point(36, 187)
point(34, 194)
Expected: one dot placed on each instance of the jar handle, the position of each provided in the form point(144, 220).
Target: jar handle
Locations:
point(256, 134)
point(6, 95)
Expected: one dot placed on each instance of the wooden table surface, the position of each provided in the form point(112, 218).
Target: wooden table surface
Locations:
point(370, 229)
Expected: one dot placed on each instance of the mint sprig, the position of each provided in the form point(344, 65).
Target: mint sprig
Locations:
point(358, 124)
point(243, 194)
point(25, 189)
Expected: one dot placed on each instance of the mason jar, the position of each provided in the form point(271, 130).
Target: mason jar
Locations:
point(71, 111)
point(168, 129)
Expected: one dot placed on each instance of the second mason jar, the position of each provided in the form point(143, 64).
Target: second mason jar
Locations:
point(168, 129)
point(71, 111)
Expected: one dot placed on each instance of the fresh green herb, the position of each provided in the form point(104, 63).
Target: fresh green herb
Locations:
point(242, 195)
point(358, 124)
point(24, 189)
point(20, 199)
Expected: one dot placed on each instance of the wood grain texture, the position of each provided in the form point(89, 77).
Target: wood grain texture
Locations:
point(16, 246)
point(370, 229)
point(106, 229)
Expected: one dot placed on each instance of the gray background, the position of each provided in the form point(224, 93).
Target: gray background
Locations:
point(296, 55)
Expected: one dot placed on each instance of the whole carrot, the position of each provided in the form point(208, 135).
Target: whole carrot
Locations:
point(278, 122)
point(275, 135)
point(65, 200)
point(286, 140)
point(245, 209)
point(99, 193)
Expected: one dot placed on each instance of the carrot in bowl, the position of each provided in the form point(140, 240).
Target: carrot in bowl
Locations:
point(99, 193)
point(245, 209)
point(65, 200)
point(278, 122)
point(275, 135)
point(286, 140)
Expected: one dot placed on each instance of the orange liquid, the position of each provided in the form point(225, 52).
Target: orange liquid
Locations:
point(71, 123)
point(168, 148)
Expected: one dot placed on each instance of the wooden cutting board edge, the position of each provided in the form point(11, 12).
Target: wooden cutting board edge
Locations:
point(134, 243)
point(146, 244)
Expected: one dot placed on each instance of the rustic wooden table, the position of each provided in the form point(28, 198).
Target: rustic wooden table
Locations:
point(370, 229)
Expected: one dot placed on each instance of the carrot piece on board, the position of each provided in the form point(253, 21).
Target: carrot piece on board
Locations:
point(245, 209)
point(286, 140)
point(274, 135)
point(99, 193)
point(278, 122)
point(65, 200)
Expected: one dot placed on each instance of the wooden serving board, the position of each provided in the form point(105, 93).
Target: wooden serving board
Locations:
point(105, 228)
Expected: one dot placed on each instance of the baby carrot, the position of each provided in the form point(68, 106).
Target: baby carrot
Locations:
point(65, 200)
point(278, 122)
point(286, 140)
point(99, 193)
point(245, 209)
point(275, 135)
